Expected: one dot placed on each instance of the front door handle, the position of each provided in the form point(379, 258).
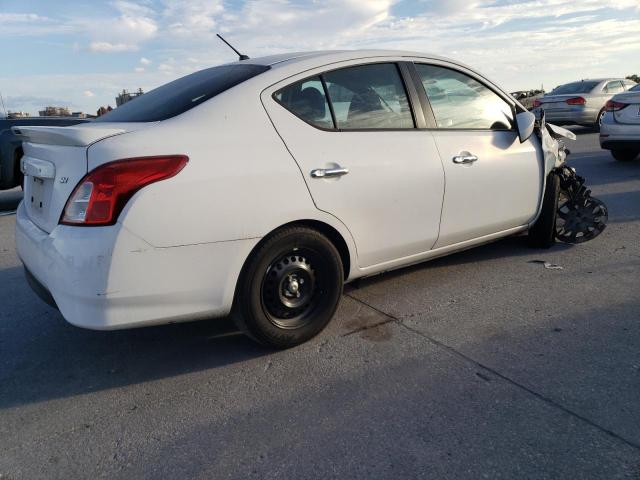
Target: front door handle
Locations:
point(465, 158)
point(329, 172)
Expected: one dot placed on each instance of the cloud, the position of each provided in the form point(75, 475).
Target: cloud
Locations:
point(88, 93)
point(138, 69)
point(106, 47)
point(145, 61)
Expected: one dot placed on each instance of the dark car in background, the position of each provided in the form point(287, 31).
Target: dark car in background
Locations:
point(11, 146)
point(581, 103)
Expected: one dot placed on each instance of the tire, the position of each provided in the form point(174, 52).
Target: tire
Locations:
point(543, 233)
point(598, 123)
point(289, 288)
point(624, 155)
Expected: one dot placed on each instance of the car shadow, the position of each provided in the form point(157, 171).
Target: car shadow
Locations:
point(42, 357)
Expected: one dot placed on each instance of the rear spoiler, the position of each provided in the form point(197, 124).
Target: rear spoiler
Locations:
point(77, 136)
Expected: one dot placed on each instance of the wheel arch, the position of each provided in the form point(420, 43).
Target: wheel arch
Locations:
point(334, 236)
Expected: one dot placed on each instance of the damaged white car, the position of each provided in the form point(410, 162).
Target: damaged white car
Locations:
point(258, 188)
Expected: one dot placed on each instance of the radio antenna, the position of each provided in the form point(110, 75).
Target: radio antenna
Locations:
point(242, 57)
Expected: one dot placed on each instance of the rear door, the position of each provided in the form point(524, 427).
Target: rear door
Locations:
point(353, 133)
point(493, 182)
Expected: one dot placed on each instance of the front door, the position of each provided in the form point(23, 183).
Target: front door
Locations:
point(352, 132)
point(493, 182)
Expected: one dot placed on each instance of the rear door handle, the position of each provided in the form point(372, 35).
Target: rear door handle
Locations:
point(465, 158)
point(329, 172)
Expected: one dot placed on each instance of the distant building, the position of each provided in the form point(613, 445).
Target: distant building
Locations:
point(126, 96)
point(11, 114)
point(79, 115)
point(55, 112)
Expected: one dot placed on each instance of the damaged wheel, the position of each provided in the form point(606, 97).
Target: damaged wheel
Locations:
point(543, 233)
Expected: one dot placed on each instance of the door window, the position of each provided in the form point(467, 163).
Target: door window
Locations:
point(307, 100)
point(369, 97)
point(461, 102)
point(615, 87)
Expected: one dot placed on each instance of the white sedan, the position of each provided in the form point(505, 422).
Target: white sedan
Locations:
point(259, 187)
point(620, 130)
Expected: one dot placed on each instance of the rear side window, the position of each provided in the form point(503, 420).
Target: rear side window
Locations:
point(369, 97)
point(307, 100)
point(614, 87)
point(183, 94)
point(365, 97)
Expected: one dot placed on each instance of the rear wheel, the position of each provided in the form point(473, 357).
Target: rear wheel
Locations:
point(543, 232)
point(624, 155)
point(598, 123)
point(289, 288)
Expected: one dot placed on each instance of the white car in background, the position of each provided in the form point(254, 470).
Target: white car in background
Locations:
point(259, 187)
point(620, 130)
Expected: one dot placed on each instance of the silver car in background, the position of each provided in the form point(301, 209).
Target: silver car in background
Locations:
point(580, 103)
point(620, 130)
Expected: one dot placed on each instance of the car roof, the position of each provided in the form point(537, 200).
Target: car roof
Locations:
point(329, 56)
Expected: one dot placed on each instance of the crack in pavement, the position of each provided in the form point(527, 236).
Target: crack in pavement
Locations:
point(468, 359)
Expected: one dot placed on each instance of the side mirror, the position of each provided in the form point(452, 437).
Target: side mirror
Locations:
point(525, 122)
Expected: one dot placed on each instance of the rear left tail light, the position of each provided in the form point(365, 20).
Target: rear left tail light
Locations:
point(102, 193)
point(536, 103)
point(576, 101)
point(612, 106)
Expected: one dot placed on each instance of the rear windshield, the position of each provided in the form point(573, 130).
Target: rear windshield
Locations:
point(182, 94)
point(575, 87)
point(635, 88)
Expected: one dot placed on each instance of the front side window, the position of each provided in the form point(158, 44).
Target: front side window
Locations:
point(369, 97)
point(307, 100)
point(461, 102)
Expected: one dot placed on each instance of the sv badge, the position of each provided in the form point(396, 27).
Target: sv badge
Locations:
point(64, 179)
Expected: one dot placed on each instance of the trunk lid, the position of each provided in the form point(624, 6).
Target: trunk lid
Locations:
point(558, 102)
point(630, 114)
point(54, 161)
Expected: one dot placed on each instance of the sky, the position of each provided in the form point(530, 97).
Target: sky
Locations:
point(80, 54)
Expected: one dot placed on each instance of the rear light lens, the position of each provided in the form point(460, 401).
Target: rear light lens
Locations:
point(102, 193)
point(576, 101)
point(536, 103)
point(612, 106)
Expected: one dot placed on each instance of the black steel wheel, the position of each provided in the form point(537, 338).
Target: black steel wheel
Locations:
point(289, 288)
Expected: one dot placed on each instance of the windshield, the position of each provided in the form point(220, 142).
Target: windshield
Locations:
point(575, 87)
point(182, 94)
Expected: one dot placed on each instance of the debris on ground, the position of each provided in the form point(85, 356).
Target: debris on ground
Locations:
point(548, 265)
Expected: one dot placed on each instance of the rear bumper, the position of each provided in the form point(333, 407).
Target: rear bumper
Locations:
point(564, 117)
point(106, 278)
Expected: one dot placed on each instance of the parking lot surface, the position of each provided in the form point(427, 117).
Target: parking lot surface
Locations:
point(483, 364)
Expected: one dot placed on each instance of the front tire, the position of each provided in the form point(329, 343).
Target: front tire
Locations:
point(543, 233)
point(290, 288)
point(624, 155)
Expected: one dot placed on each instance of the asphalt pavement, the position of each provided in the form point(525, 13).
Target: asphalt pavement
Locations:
point(483, 364)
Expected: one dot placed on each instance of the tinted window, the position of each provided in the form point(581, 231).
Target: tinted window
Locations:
point(307, 100)
point(635, 88)
point(369, 97)
point(458, 101)
point(183, 94)
point(575, 87)
point(614, 87)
